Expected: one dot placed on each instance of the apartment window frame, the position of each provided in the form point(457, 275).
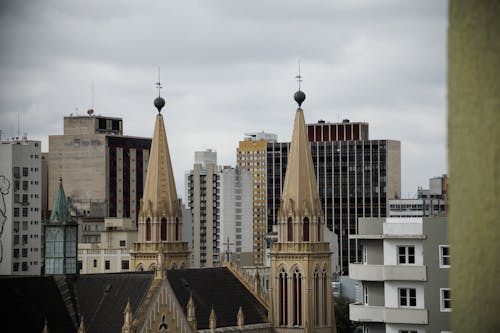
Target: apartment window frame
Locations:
point(408, 258)
point(405, 297)
point(443, 257)
point(107, 264)
point(445, 300)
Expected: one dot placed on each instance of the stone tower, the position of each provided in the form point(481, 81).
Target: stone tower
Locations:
point(160, 216)
point(301, 272)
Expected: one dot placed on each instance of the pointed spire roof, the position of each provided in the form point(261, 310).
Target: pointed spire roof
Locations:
point(300, 192)
point(160, 194)
point(60, 211)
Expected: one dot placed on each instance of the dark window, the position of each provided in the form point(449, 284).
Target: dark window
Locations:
point(25, 172)
point(148, 229)
point(290, 229)
point(95, 263)
point(163, 229)
point(24, 266)
point(80, 265)
point(107, 264)
point(123, 243)
point(305, 230)
point(125, 264)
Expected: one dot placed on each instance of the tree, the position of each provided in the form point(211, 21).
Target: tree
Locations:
point(341, 307)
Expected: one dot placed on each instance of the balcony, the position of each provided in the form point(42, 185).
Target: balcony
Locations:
point(380, 314)
point(368, 272)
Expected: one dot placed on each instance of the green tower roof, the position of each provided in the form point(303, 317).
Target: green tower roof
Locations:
point(60, 212)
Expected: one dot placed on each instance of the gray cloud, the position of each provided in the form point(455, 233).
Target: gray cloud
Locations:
point(228, 68)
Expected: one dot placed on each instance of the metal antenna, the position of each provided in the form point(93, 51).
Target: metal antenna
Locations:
point(158, 84)
point(92, 91)
point(299, 77)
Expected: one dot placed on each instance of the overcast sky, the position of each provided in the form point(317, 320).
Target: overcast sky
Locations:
point(228, 68)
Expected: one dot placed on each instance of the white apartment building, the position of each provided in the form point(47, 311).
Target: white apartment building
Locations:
point(20, 207)
point(220, 201)
point(404, 273)
point(112, 254)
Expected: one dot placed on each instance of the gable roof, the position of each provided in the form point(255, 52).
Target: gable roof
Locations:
point(102, 298)
point(217, 288)
point(28, 301)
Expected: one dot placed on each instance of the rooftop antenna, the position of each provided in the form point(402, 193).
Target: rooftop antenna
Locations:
point(158, 84)
point(299, 77)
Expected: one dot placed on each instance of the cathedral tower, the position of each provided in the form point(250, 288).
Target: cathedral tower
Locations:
point(160, 218)
point(301, 272)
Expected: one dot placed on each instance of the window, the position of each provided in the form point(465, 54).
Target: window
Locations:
point(16, 253)
point(24, 253)
point(80, 265)
point(15, 267)
point(163, 229)
point(445, 298)
point(125, 264)
point(25, 211)
point(148, 229)
point(123, 243)
point(95, 263)
point(408, 331)
point(365, 294)
point(406, 254)
point(407, 297)
point(25, 172)
point(25, 185)
point(106, 264)
point(24, 266)
point(16, 211)
point(444, 256)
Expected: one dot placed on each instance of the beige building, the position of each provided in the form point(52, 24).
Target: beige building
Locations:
point(251, 156)
point(112, 254)
point(103, 169)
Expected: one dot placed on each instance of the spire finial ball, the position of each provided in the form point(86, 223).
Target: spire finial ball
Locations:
point(159, 103)
point(299, 97)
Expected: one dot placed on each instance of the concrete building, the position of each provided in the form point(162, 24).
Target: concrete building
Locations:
point(356, 177)
point(405, 275)
point(103, 170)
point(20, 207)
point(429, 202)
point(112, 253)
point(220, 199)
point(251, 156)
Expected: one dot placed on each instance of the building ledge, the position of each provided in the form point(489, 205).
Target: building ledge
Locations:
point(380, 314)
point(368, 272)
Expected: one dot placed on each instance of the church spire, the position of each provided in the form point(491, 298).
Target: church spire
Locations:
point(160, 194)
point(300, 192)
point(60, 211)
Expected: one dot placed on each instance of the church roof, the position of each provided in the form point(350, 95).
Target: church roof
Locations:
point(103, 297)
point(159, 187)
point(217, 288)
point(300, 192)
point(60, 211)
point(28, 301)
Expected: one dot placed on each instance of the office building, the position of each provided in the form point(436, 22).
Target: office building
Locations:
point(60, 238)
point(356, 177)
point(112, 253)
point(251, 156)
point(405, 275)
point(103, 170)
point(429, 202)
point(20, 207)
point(220, 199)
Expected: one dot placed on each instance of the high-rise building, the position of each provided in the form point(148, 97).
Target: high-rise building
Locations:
point(103, 170)
point(20, 207)
point(355, 178)
point(301, 271)
point(405, 275)
point(220, 199)
point(60, 238)
point(251, 156)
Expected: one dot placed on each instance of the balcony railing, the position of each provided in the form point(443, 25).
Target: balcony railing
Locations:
point(369, 272)
point(367, 313)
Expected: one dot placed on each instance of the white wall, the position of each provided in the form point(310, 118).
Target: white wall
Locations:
point(391, 293)
point(391, 251)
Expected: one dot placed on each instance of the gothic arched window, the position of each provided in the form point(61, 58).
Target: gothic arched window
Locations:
point(177, 229)
point(148, 229)
point(289, 226)
point(324, 294)
point(163, 229)
point(283, 297)
point(305, 230)
point(297, 298)
point(317, 296)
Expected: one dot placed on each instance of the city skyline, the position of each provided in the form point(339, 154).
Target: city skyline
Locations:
point(231, 67)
